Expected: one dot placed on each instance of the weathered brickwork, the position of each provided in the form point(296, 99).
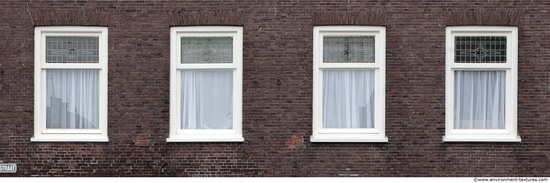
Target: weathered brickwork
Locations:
point(277, 90)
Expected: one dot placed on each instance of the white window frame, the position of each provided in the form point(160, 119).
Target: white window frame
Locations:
point(200, 135)
point(509, 134)
point(41, 133)
point(376, 134)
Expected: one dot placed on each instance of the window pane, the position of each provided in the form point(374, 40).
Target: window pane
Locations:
point(206, 99)
point(72, 99)
point(72, 50)
point(206, 50)
point(348, 99)
point(348, 49)
point(479, 101)
point(480, 49)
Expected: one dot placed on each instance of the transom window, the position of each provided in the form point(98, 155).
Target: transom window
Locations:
point(348, 49)
point(480, 49)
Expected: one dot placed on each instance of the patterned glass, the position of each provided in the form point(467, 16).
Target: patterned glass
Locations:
point(348, 49)
point(72, 50)
point(206, 50)
point(480, 49)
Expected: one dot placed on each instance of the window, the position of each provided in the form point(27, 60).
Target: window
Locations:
point(206, 84)
point(481, 84)
point(70, 84)
point(349, 84)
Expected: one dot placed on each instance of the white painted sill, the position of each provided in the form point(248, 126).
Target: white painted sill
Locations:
point(332, 138)
point(206, 138)
point(460, 138)
point(69, 139)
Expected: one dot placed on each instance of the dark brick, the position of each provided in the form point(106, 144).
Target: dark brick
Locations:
point(277, 91)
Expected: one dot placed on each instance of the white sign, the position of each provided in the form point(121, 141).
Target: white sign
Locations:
point(8, 168)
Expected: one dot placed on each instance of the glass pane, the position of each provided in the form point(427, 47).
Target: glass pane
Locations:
point(348, 99)
point(348, 49)
point(206, 50)
point(480, 98)
point(72, 99)
point(206, 99)
point(72, 49)
point(480, 49)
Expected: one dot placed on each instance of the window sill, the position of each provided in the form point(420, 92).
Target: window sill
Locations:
point(481, 139)
point(206, 138)
point(339, 138)
point(70, 139)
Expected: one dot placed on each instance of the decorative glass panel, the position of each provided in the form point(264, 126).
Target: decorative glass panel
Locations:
point(348, 99)
point(348, 49)
point(72, 99)
point(206, 50)
point(480, 98)
point(206, 99)
point(72, 50)
point(480, 49)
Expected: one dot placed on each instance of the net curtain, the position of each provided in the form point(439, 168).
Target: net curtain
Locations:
point(479, 99)
point(72, 99)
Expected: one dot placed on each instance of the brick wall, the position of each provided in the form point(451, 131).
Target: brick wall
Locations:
point(277, 90)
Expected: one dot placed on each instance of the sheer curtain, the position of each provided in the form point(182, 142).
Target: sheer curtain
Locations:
point(206, 99)
point(72, 99)
point(348, 99)
point(479, 99)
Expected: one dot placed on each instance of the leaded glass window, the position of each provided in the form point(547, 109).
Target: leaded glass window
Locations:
point(348, 49)
point(480, 49)
point(206, 50)
point(72, 50)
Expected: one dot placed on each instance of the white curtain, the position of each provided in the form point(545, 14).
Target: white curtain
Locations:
point(72, 99)
point(206, 99)
point(479, 99)
point(348, 99)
